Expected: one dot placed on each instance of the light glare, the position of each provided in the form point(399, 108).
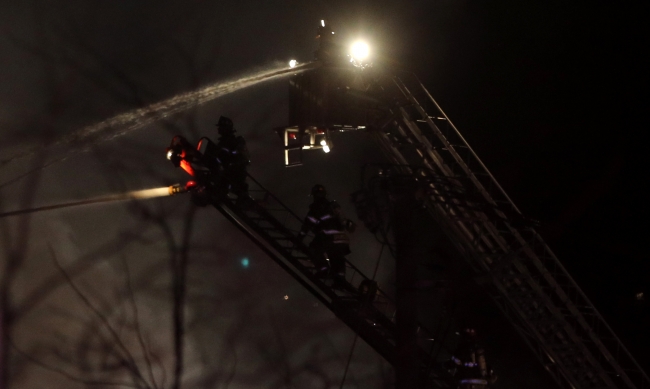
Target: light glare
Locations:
point(322, 23)
point(360, 50)
point(149, 193)
point(293, 63)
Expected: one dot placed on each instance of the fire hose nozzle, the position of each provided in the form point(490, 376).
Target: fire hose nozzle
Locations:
point(189, 186)
point(176, 189)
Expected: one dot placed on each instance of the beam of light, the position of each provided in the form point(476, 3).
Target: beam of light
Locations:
point(132, 195)
point(359, 50)
point(127, 122)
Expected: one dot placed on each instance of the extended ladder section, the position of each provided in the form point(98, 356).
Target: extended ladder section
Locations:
point(530, 285)
point(274, 228)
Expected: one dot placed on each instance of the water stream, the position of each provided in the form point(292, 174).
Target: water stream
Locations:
point(127, 122)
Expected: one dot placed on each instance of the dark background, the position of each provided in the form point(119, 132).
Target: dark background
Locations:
point(551, 96)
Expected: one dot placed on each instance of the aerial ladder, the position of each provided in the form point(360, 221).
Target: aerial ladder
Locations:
point(527, 281)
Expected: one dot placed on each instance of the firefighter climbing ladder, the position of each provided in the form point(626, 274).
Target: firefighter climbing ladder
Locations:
point(529, 284)
point(274, 228)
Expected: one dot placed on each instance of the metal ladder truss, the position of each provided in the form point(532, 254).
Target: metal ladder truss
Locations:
point(531, 286)
point(274, 229)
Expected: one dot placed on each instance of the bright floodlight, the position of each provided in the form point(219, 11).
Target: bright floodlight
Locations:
point(360, 50)
point(293, 63)
point(326, 147)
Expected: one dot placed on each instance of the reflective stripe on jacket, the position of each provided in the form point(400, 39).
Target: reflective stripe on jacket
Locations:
point(325, 217)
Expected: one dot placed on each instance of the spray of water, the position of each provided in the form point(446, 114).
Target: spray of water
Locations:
point(132, 195)
point(129, 121)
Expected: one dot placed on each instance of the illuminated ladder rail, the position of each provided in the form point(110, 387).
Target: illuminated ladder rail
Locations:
point(274, 228)
point(546, 305)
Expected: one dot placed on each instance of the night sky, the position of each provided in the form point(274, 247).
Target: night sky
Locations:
point(549, 95)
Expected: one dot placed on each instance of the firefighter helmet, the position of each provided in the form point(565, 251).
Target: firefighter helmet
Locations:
point(318, 191)
point(225, 126)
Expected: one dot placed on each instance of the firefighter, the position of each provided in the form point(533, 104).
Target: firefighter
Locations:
point(469, 365)
point(232, 155)
point(325, 219)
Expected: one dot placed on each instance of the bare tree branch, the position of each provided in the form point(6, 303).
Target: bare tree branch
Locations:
point(131, 364)
point(136, 320)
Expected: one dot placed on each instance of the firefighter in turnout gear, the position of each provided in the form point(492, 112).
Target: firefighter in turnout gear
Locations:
point(232, 155)
point(469, 366)
point(325, 219)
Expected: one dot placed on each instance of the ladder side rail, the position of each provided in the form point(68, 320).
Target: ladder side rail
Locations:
point(533, 333)
point(571, 284)
point(447, 145)
point(600, 329)
point(460, 137)
point(429, 149)
point(428, 153)
point(556, 311)
point(543, 311)
point(458, 208)
point(538, 348)
point(456, 158)
point(396, 156)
